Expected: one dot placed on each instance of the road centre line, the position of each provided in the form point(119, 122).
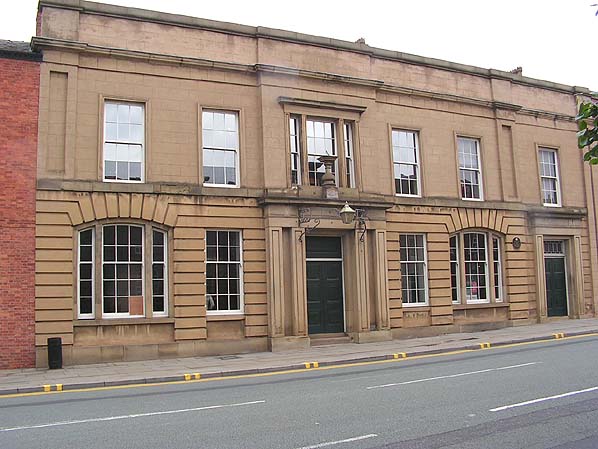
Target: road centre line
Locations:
point(348, 440)
point(548, 398)
point(450, 376)
point(135, 415)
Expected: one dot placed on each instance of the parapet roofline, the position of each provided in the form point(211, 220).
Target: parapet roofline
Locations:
point(124, 12)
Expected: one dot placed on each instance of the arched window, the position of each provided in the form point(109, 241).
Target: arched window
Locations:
point(476, 268)
point(117, 276)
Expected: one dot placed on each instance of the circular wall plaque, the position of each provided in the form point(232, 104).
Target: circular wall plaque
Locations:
point(516, 242)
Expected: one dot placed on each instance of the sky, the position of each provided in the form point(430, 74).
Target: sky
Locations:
point(550, 39)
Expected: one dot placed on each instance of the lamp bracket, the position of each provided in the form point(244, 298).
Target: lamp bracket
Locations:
point(305, 218)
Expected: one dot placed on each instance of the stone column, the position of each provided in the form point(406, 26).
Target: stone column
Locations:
point(362, 288)
point(577, 306)
point(540, 279)
point(280, 340)
point(275, 279)
point(381, 279)
point(299, 284)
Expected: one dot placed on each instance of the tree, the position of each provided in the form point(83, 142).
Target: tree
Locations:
point(587, 136)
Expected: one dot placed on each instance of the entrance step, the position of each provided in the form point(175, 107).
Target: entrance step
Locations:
point(329, 339)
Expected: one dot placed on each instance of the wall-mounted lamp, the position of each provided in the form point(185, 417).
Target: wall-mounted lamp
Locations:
point(349, 215)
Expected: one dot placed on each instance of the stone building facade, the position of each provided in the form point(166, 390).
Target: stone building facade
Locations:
point(180, 206)
point(19, 93)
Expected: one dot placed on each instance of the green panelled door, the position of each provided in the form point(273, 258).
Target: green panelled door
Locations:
point(556, 287)
point(324, 286)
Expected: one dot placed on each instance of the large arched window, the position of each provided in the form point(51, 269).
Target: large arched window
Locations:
point(476, 268)
point(118, 277)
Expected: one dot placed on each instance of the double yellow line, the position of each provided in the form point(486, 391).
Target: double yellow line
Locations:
point(309, 366)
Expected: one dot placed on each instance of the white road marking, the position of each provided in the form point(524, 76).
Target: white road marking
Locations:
point(348, 440)
point(548, 398)
point(136, 415)
point(450, 376)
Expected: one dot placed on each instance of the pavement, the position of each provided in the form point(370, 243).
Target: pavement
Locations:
point(191, 368)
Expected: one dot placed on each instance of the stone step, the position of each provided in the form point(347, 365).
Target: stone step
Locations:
point(329, 339)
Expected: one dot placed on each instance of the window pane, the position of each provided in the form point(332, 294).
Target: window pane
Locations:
point(406, 162)
point(413, 268)
point(320, 141)
point(85, 305)
point(469, 168)
point(474, 248)
point(220, 145)
point(549, 176)
point(222, 277)
point(123, 141)
point(122, 267)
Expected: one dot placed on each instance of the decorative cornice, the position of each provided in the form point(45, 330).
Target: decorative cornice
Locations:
point(322, 104)
point(40, 43)
point(269, 68)
point(86, 7)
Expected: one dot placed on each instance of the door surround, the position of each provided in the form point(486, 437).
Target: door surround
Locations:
point(556, 248)
point(333, 258)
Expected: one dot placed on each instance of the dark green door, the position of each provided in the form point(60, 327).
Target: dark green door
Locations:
point(324, 285)
point(556, 287)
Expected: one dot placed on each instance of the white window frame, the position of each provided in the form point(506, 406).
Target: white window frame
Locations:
point(556, 178)
point(486, 269)
point(86, 316)
point(296, 139)
point(457, 262)
point(143, 274)
point(165, 276)
point(478, 170)
point(349, 154)
point(497, 274)
point(226, 149)
point(491, 264)
point(334, 138)
point(241, 309)
point(399, 162)
point(126, 142)
point(425, 262)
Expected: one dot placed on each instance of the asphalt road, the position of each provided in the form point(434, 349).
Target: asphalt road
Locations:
point(530, 396)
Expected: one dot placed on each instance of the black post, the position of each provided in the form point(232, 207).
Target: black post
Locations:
point(55, 353)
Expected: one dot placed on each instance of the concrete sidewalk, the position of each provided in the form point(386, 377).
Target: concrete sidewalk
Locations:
point(166, 370)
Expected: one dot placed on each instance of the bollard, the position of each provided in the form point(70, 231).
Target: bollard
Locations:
point(55, 353)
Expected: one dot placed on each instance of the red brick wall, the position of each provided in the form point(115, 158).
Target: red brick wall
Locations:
point(19, 93)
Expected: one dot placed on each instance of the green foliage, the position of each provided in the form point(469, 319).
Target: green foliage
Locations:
point(587, 136)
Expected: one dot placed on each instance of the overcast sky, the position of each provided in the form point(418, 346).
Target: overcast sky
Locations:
point(545, 37)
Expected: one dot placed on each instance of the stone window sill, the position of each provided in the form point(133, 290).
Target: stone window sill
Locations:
point(122, 321)
point(225, 317)
point(491, 305)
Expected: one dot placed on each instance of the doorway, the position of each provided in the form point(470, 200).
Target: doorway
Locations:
point(325, 296)
point(556, 278)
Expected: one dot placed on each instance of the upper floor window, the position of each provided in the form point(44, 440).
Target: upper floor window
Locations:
point(223, 272)
point(414, 272)
point(321, 141)
point(549, 177)
point(220, 136)
point(470, 171)
point(405, 156)
point(310, 138)
point(294, 131)
point(123, 282)
point(123, 141)
point(349, 160)
point(480, 274)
